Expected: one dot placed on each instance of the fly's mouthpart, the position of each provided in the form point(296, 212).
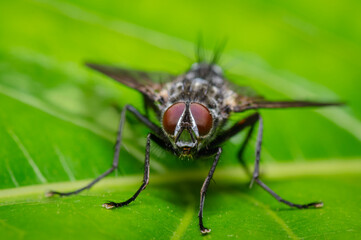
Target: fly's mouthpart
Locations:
point(186, 153)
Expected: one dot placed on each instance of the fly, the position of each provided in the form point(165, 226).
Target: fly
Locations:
point(192, 110)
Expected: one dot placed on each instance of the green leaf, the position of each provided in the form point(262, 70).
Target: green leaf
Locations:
point(58, 120)
point(168, 207)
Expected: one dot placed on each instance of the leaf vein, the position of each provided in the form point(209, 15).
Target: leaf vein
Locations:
point(186, 219)
point(28, 157)
point(12, 176)
point(64, 164)
point(272, 214)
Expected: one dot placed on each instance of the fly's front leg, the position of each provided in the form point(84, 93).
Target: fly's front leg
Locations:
point(250, 122)
point(256, 179)
point(204, 190)
point(115, 164)
point(243, 147)
point(110, 205)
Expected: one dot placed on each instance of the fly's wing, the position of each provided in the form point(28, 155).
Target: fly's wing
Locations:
point(246, 103)
point(148, 83)
point(245, 98)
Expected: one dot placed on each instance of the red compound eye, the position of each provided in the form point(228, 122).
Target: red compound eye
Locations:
point(203, 118)
point(171, 117)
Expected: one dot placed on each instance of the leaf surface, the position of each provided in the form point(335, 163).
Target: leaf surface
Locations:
point(58, 119)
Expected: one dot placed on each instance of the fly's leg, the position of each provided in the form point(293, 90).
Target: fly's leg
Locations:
point(239, 126)
point(256, 179)
point(115, 164)
point(146, 106)
point(110, 205)
point(243, 147)
point(204, 190)
point(249, 121)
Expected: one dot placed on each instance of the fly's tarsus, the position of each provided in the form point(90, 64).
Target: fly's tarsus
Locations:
point(312, 205)
point(205, 231)
point(303, 206)
point(111, 205)
point(54, 193)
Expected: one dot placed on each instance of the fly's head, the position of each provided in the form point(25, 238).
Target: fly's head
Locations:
point(188, 125)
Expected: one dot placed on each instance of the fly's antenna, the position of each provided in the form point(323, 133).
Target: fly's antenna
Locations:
point(218, 50)
point(200, 54)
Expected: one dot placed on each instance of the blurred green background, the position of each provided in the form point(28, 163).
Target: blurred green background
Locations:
point(58, 119)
